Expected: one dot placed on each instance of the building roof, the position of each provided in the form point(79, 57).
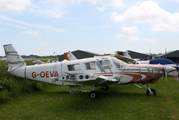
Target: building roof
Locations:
point(174, 53)
point(80, 54)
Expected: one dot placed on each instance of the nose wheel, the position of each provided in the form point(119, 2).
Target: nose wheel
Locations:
point(151, 92)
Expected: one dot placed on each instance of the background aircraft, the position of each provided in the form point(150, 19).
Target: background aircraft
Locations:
point(167, 62)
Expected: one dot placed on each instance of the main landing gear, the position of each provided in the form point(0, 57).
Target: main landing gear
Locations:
point(93, 94)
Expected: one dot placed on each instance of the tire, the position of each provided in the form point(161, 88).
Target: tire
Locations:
point(93, 94)
point(105, 87)
point(151, 94)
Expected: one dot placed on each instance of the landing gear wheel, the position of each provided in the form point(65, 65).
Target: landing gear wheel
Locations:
point(105, 87)
point(93, 94)
point(153, 92)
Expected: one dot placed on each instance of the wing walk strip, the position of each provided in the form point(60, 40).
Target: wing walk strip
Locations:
point(11, 52)
point(16, 62)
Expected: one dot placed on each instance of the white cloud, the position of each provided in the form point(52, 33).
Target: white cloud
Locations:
point(100, 8)
point(134, 39)
point(149, 12)
point(14, 5)
point(113, 3)
point(149, 40)
point(31, 33)
point(53, 29)
point(50, 8)
point(120, 36)
point(94, 2)
point(175, 1)
point(128, 31)
point(117, 3)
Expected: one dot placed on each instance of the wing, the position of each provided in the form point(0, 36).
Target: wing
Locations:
point(125, 59)
point(97, 81)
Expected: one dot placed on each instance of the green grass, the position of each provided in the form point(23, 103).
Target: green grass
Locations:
point(119, 102)
point(55, 102)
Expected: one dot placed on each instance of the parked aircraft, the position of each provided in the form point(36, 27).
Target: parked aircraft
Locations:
point(126, 57)
point(167, 62)
point(97, 71)
point(69, 56)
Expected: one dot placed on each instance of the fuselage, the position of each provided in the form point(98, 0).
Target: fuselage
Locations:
point(72, 72)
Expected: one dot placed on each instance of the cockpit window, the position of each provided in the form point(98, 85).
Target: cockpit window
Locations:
point(90, 65)
point(106, 64)
point(74, 67)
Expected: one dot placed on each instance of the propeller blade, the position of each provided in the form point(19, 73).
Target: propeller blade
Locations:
point(166, 75)
point(165, 56)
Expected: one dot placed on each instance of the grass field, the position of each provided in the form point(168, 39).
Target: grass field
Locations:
point(119, 102)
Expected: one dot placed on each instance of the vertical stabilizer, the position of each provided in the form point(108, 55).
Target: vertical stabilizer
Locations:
point(15, 62)
point(69, 56)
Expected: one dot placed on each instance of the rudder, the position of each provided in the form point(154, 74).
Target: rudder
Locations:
point(13, 59)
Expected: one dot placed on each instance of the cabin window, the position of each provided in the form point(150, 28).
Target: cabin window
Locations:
point(74, 67)
point(90, 65)
point(106, 64)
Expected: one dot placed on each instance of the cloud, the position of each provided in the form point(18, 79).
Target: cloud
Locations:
point(53, 29)
point(14, 5)
point(175, 1)
point(113, 3)
point(149, 12)
point(120, 36)
point(117, 3)
point(149, 40)
point(100, 8)
point(134, 39)
point(50, 8)
point(31, 33)
point(128, 31)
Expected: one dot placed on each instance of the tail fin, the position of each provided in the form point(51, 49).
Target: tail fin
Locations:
point(14, 60)
point(69, 56)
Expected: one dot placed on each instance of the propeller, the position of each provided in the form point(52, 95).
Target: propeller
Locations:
point(165, 69)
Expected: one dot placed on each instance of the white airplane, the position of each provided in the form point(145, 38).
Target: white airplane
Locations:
point(97, 71)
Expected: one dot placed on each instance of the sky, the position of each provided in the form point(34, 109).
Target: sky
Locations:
point(42, 27)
